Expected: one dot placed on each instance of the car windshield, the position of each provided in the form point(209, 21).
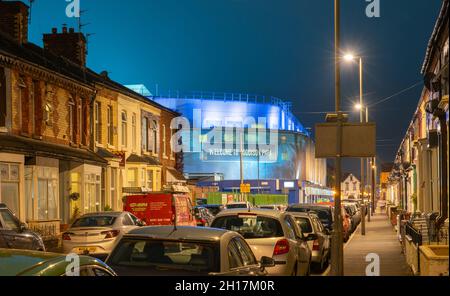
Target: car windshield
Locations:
point(251, 226)
point(97, 221)
point(10, 221)
point(304, 224)
point(193, 256)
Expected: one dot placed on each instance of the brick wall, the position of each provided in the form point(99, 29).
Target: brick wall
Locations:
point(50, 102)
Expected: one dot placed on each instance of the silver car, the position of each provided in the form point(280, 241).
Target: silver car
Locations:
point(318, 238)
point(270, 234)
point(96, 234)
point(185, 251)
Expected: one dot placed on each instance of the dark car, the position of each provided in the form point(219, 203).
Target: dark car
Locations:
point(325, 213)
point(214, 209)
point(15, 235)
point(202, 216)
point(185, 251)
point(33, 263)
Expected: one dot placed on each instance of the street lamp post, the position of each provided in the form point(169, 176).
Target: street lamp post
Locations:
point(360, 107)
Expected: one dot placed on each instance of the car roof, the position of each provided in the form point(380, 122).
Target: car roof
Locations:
point(103, 214)
point(25, 262)
point(310, 206)
point(257, 211)
point(301, 214)
point(179, 233)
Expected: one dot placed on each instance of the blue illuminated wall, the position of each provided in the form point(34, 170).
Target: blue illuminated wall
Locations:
point(230, 110)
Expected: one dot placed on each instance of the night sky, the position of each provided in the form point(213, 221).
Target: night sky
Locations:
point(281, 48)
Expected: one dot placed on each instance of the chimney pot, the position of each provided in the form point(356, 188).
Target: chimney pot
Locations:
point(71, 30)
point(64, 30)
point(54, 30)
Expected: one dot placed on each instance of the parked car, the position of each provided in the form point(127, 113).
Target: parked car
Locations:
point(95, 234)
point(185, 251)
point(355, 214)
point(318, 238)
point(214, 209)
point(15, 235)
point(346, 220)
point(238, 205)
point(33, 263)
point(162, 208)
point(324, 212)
point(270, 234)
point(202, 216)
point(273, 207)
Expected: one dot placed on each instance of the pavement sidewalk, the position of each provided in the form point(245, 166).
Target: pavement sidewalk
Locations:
point(380, 239)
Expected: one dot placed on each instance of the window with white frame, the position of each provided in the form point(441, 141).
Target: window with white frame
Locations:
point(110, 126)
point(132, 177)
point(41, 193)
point(113, 188)
point(145, 146)
point(124, 119)
point(97, 122)
point(150, 179)
point(9, 185)
point(92, 200)
point(164, 142)
point(134, 131)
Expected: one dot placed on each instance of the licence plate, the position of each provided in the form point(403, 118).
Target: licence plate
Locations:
point(87, 250)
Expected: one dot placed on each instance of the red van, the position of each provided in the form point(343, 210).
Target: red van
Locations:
point(162, 208)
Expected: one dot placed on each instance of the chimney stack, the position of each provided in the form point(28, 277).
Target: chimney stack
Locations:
point(14, 20)
point(69, 44)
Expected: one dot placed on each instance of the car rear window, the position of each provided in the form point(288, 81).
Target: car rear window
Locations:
point(237, 206)
point(250, 226)
point(170, 254)
point(10, 221)
point(304, 224)
point(323, 215)
point(99, 221)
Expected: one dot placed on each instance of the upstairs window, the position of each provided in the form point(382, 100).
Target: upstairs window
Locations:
point(124, 129)
point(110, 125)
point(97, 122)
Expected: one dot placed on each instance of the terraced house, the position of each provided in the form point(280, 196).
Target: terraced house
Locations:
point(71, 141)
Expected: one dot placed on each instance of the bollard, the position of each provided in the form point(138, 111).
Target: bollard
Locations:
point(363, 220)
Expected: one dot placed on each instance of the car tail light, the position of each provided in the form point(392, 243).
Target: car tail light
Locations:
point(66, 236)
point(316, 245)
point(282, 247)
point(110, 234)
point(203, 221)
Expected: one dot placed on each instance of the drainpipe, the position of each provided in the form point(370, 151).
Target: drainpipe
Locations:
point(443, 213)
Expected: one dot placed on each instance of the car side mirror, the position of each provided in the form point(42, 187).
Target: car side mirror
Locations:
point(267, 262)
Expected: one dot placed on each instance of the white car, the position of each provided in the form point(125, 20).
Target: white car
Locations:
point(96, 234)
point(238, 205)
point(272, 234)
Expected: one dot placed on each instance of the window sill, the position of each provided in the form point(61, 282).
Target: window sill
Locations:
point(109, 146)
point(3, 130)
point(97, 144)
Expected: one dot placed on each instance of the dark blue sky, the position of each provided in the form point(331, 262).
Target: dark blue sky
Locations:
point(281, 48)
